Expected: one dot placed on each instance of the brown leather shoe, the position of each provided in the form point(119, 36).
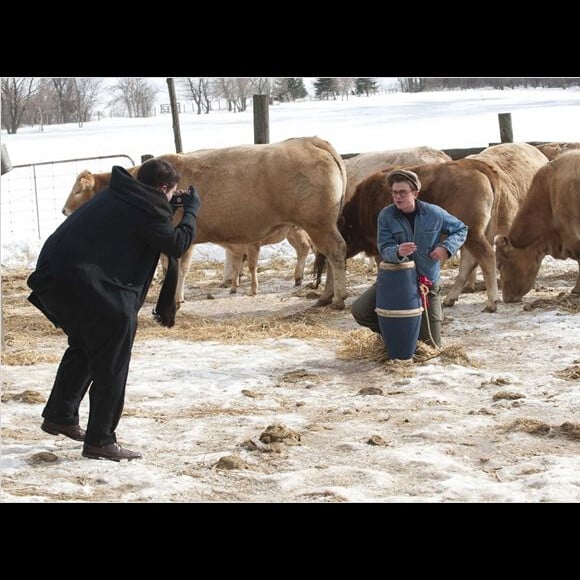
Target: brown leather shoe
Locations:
point(112, 451)
point(73, 431)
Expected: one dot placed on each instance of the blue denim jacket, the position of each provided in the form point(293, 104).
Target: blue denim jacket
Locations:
point(393, 228)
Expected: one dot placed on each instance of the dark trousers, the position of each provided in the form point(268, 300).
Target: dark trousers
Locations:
point(97, 359)
point(363, 311)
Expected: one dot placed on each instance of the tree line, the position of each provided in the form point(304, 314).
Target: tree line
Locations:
point(46, 101)
point(419, 84)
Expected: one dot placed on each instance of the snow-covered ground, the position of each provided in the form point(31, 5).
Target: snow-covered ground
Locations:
point(497, 425)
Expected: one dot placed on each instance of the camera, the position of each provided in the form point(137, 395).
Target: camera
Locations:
point(177, 199)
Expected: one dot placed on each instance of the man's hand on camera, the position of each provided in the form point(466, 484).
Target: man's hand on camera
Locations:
point(191, 201)
point(178, 197)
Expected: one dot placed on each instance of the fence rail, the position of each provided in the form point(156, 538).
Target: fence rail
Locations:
point(33, 195)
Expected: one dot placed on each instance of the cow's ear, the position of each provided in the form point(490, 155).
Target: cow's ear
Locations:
point(87, 182)
point(501, 241)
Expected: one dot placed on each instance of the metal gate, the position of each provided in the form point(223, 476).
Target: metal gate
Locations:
point(32, 196)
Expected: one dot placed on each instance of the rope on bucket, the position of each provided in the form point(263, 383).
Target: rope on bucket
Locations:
point(424, 286)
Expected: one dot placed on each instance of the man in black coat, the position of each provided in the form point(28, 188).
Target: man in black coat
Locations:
point(91, 279)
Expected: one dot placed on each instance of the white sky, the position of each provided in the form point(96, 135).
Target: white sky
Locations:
point(447, 438)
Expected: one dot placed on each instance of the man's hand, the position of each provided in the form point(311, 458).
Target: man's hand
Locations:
point(439, 253)
point(192, 201)
point(406, 249)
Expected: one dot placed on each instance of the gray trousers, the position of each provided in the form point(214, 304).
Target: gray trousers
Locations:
point(363, 311)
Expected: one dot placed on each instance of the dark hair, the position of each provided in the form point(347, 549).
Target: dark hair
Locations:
point(156, 172)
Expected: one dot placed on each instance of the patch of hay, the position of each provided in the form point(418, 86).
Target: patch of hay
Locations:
point(508, 395)
point(570, 430)
point(363, 344)
point(531, 426)
point(29, 397)
point(569, 373)
point(305, 325)
point(456, 355)
point(568, 302)
point(425, 352)
point(28, 357)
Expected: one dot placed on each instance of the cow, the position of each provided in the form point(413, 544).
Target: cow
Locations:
point(484, 191)
point(547, 223)
point(248, 191)
point(296, 237)
point(362, 165)
point(553, 149)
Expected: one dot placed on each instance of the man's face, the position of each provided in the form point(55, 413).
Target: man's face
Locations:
point(404, 196)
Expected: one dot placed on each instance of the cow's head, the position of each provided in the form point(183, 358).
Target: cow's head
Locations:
point(86, 185)
point(518, 268)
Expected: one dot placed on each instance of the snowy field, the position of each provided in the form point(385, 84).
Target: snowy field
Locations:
point(495, 418)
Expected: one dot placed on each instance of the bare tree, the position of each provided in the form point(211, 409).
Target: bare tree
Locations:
point(135, 95)
point(199, 88)
point(412, 84)
point(17, 93)
point(87, 92)
point(243, 88)
point(64, 89)
point(344, 86)
point(226, 89)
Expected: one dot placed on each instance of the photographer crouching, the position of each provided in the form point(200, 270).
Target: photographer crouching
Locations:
point(91, 279)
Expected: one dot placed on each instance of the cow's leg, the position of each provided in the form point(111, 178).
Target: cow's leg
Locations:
point(576, 289)
point(184, 265)
point(479, 252)
point(163, 260)
point(237, 256)
point(333, 246)
point(299, 240)
point(471, 278)
point(228, 270)
point(253, 253)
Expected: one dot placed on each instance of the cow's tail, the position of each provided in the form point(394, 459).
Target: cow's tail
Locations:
point(320, 259)
point(326, 146)
point(318, 268)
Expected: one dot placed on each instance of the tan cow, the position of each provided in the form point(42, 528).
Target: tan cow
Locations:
point(547, 223)
point(362, 165)
point(249, 190)
point(296, 237)
point(552, 150)
point(482, 190)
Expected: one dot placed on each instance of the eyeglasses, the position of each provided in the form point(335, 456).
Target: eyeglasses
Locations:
point(402, 193)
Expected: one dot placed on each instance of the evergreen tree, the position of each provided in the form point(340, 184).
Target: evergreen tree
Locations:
point(296, 88)
point(325, 88)
point(365, 86)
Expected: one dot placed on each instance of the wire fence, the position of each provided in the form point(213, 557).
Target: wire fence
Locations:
point(32, 196)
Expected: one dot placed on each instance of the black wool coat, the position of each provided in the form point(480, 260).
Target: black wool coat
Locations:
point(101, 260)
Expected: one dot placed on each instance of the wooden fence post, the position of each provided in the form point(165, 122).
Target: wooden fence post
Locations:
point(506, 135)
point(5, 164)
point(261, 120)
point(174, 115)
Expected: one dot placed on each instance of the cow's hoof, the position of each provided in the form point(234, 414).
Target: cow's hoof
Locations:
point(337, 305)
point(298, 282)
point(178, 304)
point(233, 290)
point(449, 302)
point(324, 301)
point(492, 308)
